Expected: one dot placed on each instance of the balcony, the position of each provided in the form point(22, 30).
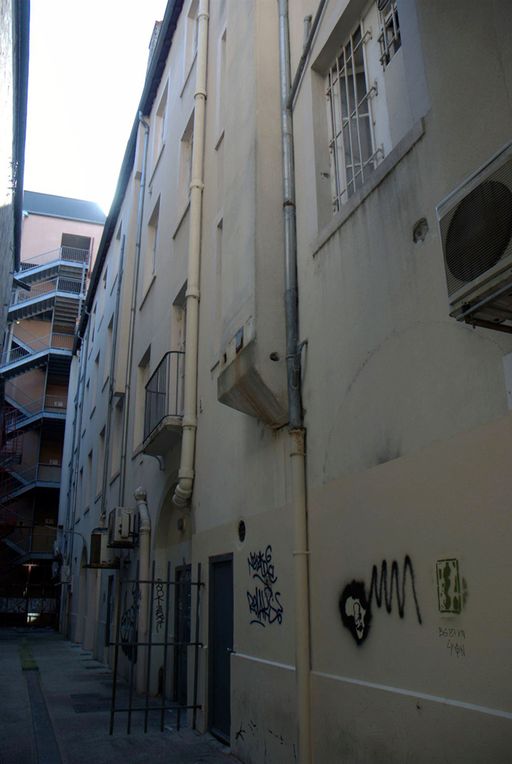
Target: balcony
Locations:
point(32, 352)
point(14, 482)
point(57, 292)
point(31, 542)
point(28, 410)
point(61, 260)
point(163, 411)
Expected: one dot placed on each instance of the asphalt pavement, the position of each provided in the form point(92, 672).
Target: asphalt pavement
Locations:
point(55, 709)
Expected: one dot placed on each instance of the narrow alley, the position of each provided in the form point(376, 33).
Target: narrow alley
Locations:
point(56, 702)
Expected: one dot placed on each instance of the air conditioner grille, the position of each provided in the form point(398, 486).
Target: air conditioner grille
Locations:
point(476, 227)
point(480, 231)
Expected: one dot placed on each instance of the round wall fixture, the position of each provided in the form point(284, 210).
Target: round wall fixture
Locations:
point(241, 530)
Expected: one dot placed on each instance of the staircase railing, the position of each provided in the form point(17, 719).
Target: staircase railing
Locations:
point(55, 284)
point(70, 254)
point(12, 481)
point(56, 340)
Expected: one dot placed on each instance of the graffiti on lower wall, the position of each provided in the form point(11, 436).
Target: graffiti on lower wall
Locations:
point(355, 602)
point(128, 626)
point(452, 590)
point(263, 599)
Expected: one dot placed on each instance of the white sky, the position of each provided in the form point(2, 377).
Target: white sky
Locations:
point(87, 68)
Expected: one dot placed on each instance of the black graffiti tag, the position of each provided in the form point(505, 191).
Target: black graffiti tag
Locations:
point(128, 626)
point(159, 611)
point(264, 603)
point(356, 606)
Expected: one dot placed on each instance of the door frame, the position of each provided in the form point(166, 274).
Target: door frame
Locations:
point(213, 560)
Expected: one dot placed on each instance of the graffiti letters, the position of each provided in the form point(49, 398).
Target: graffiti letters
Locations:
point(264, 602)
point(455, 640)
point(356, 605)
point(159, 599)
point(129, 624)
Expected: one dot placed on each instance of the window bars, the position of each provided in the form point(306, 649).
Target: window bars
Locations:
point(389, 39)
point(351, 140)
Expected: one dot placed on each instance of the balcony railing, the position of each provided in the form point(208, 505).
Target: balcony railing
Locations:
point(12, 481)
point(70, 254)
point(35, 345)
point(164, 391)
point(57, 284)
point(35, 539)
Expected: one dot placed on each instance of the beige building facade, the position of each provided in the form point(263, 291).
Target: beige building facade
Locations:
point(346, 601)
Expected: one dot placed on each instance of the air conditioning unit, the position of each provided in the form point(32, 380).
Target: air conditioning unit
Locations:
point(475, 222)
point(101, 555)
point(121, 528)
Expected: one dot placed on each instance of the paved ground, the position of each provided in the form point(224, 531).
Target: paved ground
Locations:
point(55, 709)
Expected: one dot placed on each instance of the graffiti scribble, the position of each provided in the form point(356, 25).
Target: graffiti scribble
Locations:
point(356, 606)
point(129, 624)
point(159, 611)
point(264, 603)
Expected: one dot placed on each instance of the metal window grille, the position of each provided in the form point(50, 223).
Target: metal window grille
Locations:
point(351, 139)
point(389, 39)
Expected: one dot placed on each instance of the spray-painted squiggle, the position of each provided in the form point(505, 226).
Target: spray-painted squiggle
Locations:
point(356, 607)
point(379, 587)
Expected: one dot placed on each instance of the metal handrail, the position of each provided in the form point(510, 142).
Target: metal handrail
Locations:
point(13, 480)
point(70, 254)
point(164, 391)
point(55, 284)
point(56, 340)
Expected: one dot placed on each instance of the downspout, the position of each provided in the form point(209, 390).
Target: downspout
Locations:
point(133, 307)
point(144, 575)
point(183, 491)
point(296, 430)
point(75, 457)
point(111, 387)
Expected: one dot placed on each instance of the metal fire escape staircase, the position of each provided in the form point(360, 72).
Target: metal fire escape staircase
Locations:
point(57, 282)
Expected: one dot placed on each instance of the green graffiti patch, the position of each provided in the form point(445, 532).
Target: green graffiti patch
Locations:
point(449, 595)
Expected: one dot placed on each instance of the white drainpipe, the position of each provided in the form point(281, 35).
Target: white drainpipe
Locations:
point(144, 575)
point(183, 491)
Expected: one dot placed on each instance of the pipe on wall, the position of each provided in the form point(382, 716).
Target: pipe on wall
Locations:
point(144, 575)
point(133, 309)
point(183, 490)
point(296, 431)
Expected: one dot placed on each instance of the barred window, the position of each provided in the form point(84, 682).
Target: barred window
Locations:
point(389, 39)
point(351, 140)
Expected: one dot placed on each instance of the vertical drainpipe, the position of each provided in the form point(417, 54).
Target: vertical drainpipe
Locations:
point(133, 308)
point(144, 575)
point(111, 387)
point(75, 458)
point(296, 431)
point(183, 491)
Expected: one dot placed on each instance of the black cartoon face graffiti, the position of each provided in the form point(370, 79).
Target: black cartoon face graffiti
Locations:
point(355, 610)
point(356, 607)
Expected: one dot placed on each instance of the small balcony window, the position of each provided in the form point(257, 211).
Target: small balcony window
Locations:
point(164, 404)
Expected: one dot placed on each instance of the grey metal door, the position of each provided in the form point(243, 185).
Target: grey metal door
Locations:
point(221, 644)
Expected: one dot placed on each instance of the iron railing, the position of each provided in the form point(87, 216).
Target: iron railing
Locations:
point(33, 345)
point(11, 481)
point(164, 391)
point(70, 254)
point(46, 288)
